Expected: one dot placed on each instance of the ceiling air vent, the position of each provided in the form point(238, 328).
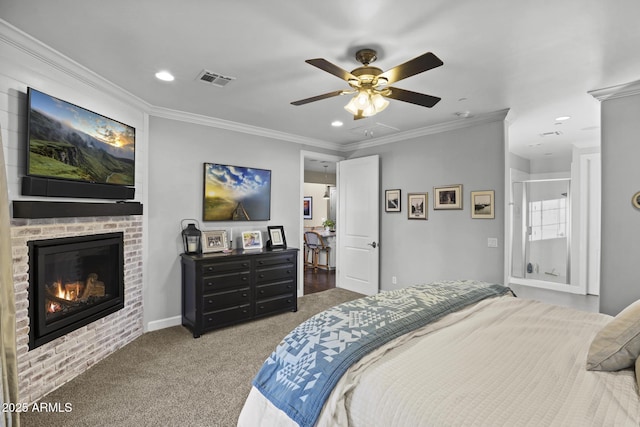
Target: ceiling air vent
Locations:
point(213, 78)
point(556, 133)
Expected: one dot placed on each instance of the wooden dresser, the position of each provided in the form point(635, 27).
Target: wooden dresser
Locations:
point(223, 289)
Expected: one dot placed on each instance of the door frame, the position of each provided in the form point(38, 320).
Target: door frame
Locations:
point(304, 154)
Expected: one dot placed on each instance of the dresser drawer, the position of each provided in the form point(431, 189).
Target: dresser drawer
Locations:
point(287, 258)
point(273, 289)
point(280, 272)
point(275, 305)
point(226, 316)
point(221, 281)
point(217, 267)
point(226, 299)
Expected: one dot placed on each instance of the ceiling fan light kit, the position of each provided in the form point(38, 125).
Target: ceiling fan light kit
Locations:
point(369, 85)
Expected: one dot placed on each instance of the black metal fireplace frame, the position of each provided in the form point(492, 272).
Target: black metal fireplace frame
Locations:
point(39, 332)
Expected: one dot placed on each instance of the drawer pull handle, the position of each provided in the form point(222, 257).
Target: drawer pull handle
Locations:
point(244, 264)
point(244, 311)
point(288, 301)
point(288, 271)
point(262, 291)
point(260, 262)
point(244, 294)
point(244, 279)
point(262, 276)
point(289, 286)
point(262, 307)
point(210, 301)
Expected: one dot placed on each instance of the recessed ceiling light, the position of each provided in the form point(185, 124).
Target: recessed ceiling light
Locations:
point(165, 76)
point(336, 123)
point(562, 118)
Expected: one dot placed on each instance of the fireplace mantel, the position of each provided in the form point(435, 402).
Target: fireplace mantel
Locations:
point(45, 209)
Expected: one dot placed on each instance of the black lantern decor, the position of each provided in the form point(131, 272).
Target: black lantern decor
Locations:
point(191, 239)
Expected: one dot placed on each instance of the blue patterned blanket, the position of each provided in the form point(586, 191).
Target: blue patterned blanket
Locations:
point(300, 374)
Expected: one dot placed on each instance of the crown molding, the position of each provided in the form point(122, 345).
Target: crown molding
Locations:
point(199, 119)
point(618, 91)
point(495, 116)
point(22, 41)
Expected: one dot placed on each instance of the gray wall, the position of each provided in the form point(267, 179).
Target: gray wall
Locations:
point(178, 151)
point(449, 244)
point(619, 281)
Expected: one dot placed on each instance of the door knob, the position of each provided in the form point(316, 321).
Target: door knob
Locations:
point(372, 244)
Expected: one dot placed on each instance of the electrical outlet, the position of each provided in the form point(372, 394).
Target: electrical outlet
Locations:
point(492, 242)
point(394, 281)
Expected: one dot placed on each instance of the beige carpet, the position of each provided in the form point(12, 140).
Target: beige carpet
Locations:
point(168, 378)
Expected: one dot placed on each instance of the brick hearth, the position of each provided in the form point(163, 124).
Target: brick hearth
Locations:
point(47, 367)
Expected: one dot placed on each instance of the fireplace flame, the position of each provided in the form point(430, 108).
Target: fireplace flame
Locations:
point(73, 292)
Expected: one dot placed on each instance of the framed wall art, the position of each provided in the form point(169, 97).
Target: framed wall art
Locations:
point(307, 207)
point(251, 240)
point(417, 205)
point(482, 204)
point(392, 200)
point(214, 241)
point(236, 193)
point(276, 236)
point(449, 197)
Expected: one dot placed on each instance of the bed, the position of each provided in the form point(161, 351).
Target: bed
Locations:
point(465, 353)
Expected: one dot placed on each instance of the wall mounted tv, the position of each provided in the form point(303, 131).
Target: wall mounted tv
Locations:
point(236, 193)
point(74, 146)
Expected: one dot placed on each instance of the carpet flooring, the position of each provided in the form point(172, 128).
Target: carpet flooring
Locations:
point(168, 378)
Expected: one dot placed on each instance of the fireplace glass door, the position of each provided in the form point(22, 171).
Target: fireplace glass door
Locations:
point(74, 281)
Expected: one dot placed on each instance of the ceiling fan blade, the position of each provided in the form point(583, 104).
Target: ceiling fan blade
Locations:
point(412, 67)
point(413, 97)
point(327, 66)
point(318, 98)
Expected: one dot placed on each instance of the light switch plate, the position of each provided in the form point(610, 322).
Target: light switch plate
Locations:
point(492, 242)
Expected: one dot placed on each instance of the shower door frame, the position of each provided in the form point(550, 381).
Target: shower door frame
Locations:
point(568, 286)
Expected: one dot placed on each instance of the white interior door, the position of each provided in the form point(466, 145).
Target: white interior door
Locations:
point(358, 224)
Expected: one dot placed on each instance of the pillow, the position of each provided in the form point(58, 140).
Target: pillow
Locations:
point(617, 345)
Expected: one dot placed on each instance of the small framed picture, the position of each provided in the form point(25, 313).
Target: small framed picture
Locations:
point(276, 236)
point(251, 240)
point(392, 201)
point(417, 205)
point(307, 207)
point(636, 200)
point(214, 241)
point(449, 197)
point(482, 204)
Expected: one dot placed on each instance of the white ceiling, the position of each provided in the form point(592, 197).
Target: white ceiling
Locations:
point(538, 59)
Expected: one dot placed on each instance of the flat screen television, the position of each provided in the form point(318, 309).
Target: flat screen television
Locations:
point(236, 193)
point(68, 142)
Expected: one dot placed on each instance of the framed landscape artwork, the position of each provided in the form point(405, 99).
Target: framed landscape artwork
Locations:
point(482, 204)
point(392, 201)
point(236, 193)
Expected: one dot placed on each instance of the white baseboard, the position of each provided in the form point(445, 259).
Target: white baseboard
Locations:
point(163, 323)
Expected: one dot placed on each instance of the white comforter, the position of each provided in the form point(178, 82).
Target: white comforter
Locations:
point(503, 362)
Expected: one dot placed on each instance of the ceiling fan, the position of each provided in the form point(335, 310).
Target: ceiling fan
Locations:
point(370, 85)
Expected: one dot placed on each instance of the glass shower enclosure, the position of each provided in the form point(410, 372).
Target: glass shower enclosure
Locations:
point(541, 230)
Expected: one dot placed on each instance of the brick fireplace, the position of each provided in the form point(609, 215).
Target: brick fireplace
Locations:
point(53, 363)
